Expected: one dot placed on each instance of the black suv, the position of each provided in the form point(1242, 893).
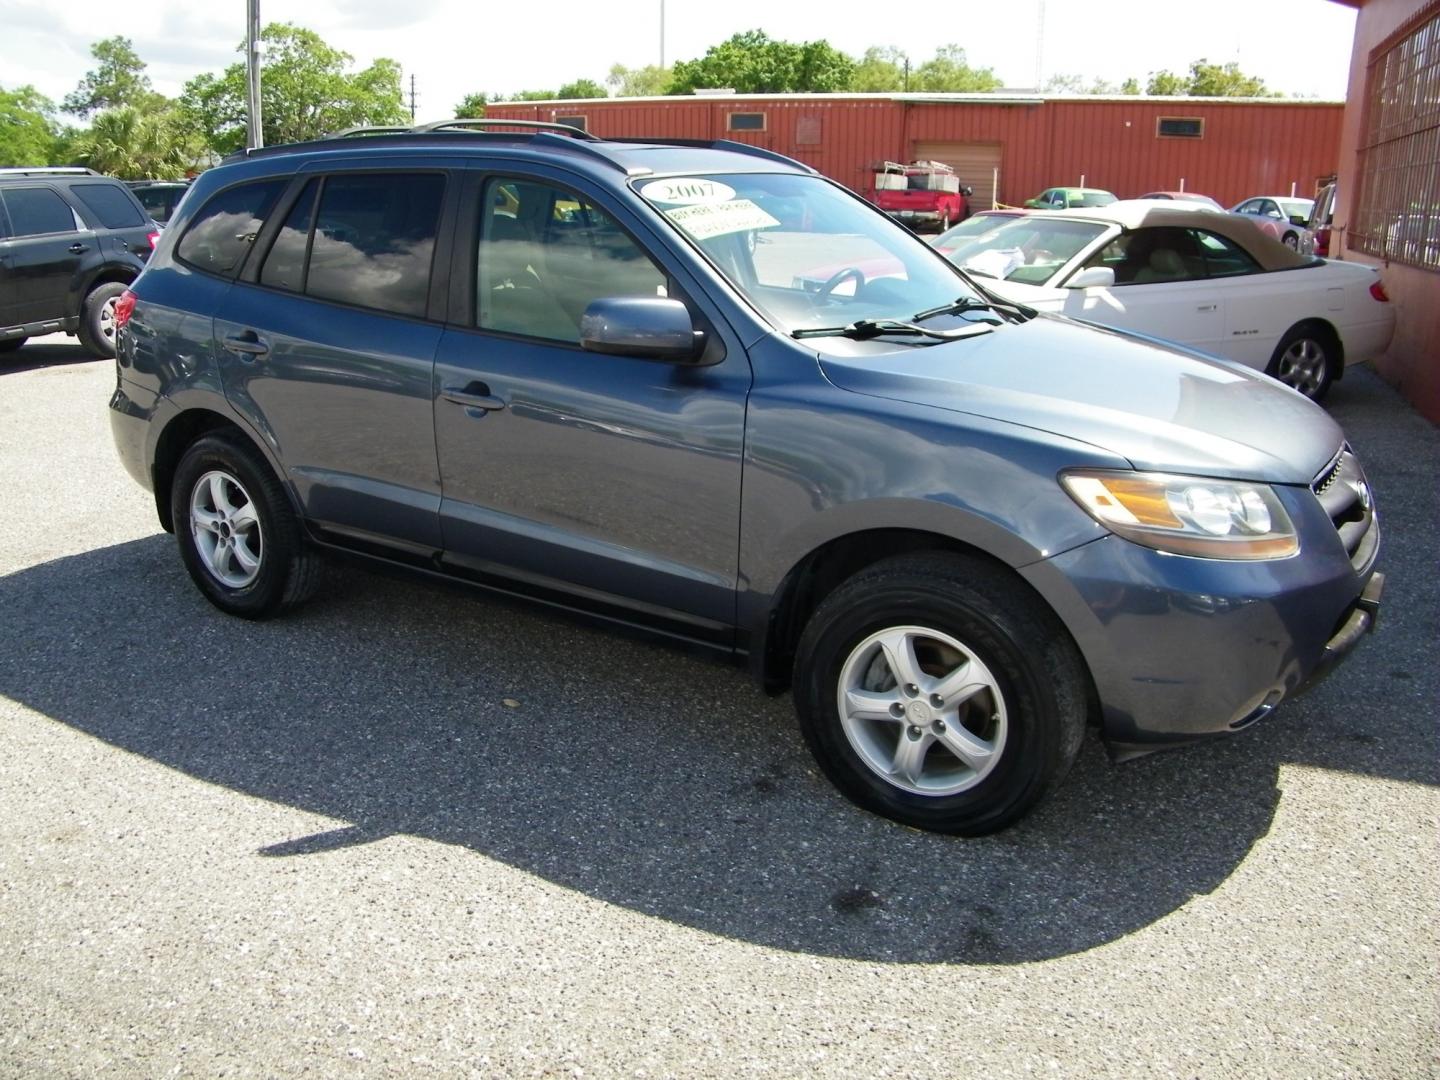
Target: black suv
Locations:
point(70, 241)
point(159, 197)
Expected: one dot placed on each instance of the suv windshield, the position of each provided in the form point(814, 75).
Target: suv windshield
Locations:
point(803, 251)
point(1028, 250)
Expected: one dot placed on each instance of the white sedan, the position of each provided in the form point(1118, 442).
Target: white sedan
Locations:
point(1208, 280)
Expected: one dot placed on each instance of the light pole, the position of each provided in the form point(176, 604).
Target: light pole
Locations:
point(253, 137)
point(662, 35)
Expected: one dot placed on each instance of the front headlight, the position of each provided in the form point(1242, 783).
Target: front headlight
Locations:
point(1187, 515)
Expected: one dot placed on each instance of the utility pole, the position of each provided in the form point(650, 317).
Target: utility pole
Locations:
point(412, 99)
point(254, 139)
point(662, 35)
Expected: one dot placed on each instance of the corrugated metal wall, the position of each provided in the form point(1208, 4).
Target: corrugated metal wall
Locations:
point(1248, 148)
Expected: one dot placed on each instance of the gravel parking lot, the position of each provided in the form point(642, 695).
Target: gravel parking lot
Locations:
point(412, 830)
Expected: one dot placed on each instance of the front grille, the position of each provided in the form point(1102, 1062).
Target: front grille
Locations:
point(1345, 495)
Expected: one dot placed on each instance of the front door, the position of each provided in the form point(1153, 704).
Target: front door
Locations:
point(609, 482)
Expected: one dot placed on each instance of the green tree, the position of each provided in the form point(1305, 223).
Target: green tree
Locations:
point(1076, 84)
point(582, 88)
point(306, 92)
point(1208, 80)
point(28, 132)
point(649, 81)
point(882, 70)
point(948, 72)
point(753, 63)
point(532, 95)
point(472, 106)
point(118, 82)
point(138, 145)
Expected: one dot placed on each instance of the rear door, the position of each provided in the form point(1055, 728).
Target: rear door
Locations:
point(611, 482)
point(43, 257)
point(327, 344)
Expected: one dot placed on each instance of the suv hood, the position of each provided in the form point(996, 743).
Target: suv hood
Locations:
point(1161, 407)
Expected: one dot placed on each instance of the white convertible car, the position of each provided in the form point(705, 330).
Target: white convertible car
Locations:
point(1208, 280)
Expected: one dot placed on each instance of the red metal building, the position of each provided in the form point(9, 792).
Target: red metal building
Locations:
point(1223, 147)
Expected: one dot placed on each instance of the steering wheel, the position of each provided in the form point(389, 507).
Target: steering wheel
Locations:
point(835, 280)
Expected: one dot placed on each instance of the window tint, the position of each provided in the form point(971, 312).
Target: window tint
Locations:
point(225, 227)
point(374, 236)
point(1223, 258)
point(37, 211)
point(545, 254)
point(285, 264)
point(110, 204)
point(160, 202)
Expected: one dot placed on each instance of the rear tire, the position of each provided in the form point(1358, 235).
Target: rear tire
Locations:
point(937, 691)
point(239, 537)
point(1291, 240)
point(1306, 360)
point(11, 344)
point(97, 320)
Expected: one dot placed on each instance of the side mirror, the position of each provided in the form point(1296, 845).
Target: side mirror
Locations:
point(1093, 277)
point(648, 327)
point(1299, 219)
point(1034, 204)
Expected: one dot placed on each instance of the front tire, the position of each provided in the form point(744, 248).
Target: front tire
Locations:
point(11, 344)
point(97, 320)
point(1305, 360)
point(1292, 241)
point(936, 691)
point(239, 536)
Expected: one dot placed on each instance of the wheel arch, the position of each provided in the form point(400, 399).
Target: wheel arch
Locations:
point(827, 566)
point(1321, 328)
point(178, 433)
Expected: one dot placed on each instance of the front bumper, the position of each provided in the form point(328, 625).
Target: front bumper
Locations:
point(1183, 649)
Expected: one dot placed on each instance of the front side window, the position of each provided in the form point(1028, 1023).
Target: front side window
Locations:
point(38, 211)
point(802, 250)
point(1152, 256)
point(1029, 250)
point(285, 262)
point(545, 254)
point(110, 205)
point(223, 230)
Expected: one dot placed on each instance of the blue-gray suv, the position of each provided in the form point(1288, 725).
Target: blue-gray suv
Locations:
point(699, 388)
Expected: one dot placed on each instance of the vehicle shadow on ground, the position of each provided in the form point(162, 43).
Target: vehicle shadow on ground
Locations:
point(633, 773)
point(52, 351)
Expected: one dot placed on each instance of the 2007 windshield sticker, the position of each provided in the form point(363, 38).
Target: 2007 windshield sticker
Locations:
point(687, 191)
point(716, 219)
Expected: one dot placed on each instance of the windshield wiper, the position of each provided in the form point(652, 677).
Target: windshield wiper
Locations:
point(1018, 312)
point(864, 329)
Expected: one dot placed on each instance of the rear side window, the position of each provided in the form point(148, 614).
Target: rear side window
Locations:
point(225, 227)
point(1223, 258)
point(110, 205)
point(38, 211)
point(372, 240)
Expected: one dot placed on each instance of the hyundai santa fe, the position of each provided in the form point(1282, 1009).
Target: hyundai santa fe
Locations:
point(561, 367)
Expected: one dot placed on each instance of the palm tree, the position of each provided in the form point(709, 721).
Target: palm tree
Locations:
point(137, 145)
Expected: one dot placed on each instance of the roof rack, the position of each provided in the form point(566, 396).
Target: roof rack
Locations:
point(48, 170)
point(722, 144)
point(462, 123)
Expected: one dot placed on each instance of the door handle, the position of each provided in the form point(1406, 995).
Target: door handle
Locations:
point(248, 344)
point(1207, 307)
point(77, 247)
point(475, 395)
